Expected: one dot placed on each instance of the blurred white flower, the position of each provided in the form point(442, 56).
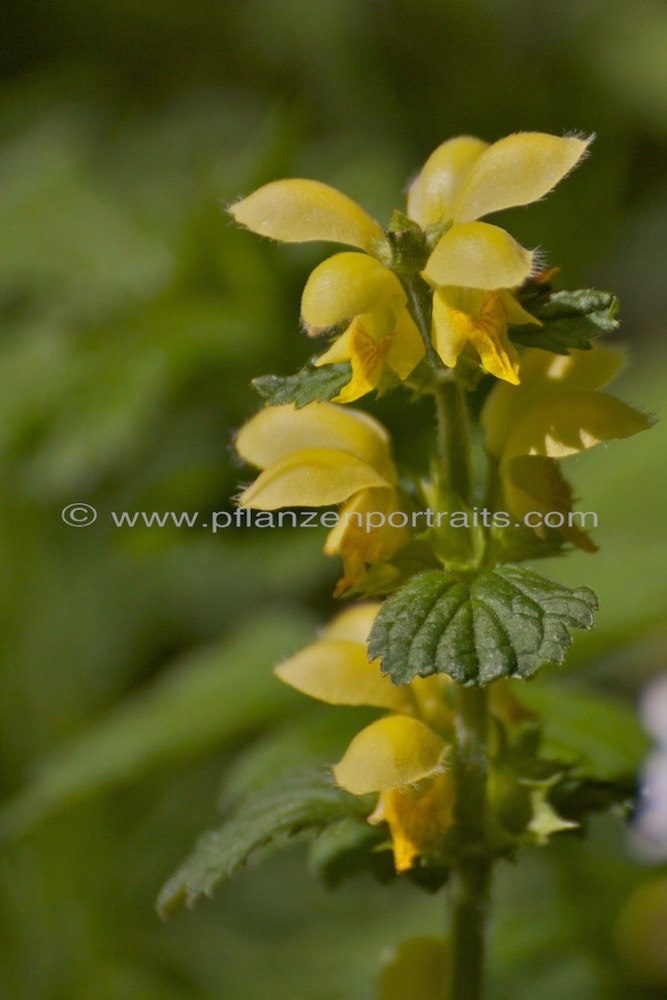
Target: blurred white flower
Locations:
point(650, 829)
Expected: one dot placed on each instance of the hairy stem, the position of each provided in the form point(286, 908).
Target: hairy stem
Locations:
point(471, 875)
point(469, 887)
point(453, 439)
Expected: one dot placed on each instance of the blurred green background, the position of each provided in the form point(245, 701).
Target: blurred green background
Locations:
point(137, 662)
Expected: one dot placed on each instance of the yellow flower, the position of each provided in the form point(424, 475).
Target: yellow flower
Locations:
point(402, 755)
point(463, 180)
point(352, 286)
point(553, 413)
point(470, 315)
point(325, 454)
point(471, 267)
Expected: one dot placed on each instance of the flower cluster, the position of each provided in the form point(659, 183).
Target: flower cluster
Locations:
point(471, 267)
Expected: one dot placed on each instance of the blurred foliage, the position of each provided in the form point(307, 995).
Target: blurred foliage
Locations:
point(136, 662)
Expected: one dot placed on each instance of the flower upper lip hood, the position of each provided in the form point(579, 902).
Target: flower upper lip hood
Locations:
point(299, 211)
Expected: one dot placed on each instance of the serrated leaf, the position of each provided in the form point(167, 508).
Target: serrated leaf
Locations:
point(570, 319)
point(303, 801)
point(507, 622)
point(309, 385)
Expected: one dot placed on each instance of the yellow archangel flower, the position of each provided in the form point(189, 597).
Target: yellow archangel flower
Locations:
point(402, 755)
point(474, 264)
point(471, 267)
point(381, 332)
point(325, 454)
point(554, 412)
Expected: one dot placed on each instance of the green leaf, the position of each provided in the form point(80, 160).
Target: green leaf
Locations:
point(304, 801)
point(309, 385)
point(570, 319)
point(507, 622)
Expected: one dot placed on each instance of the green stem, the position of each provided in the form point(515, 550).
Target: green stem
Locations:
point(471, 875)
point(470, 880)
point(453, 439)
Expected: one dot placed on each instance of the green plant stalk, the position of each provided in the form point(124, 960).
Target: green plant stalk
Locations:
point(470, 879)
point(453, 439)
point(471, 875)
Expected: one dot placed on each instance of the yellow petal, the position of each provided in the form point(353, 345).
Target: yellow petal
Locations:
point(345, 286)
point(339, 351)
point(365, 535)
point(296, 211)
point(516, 314)
point(314, 477)
point(278, 431)
point(461, 315)
point(573, 422)
point(516, 170)
point(491, 342)
point(417, 818)
point(354, 624)
point(477, 255)
point(431, 194)
point(578, 370)
point(542, 376)
point(534, 484)
point(339, 673)
point(497, 354)
point(561, 426)
point(406, 348)
point(451, 328)
point(369, 342)
point(390, 753)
